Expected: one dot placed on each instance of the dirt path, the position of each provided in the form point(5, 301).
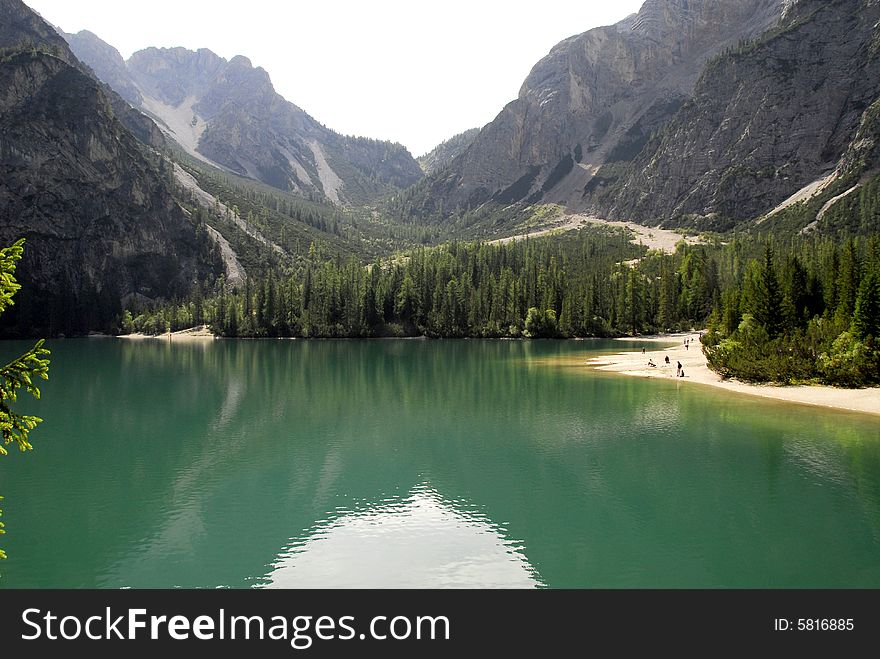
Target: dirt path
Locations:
point(652, 238)
point(570, 223)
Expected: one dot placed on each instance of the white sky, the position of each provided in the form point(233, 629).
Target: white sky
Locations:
point(409, 71)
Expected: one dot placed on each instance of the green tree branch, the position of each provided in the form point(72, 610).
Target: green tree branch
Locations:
point(20, 373)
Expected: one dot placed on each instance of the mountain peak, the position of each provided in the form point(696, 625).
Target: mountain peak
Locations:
point(444, 153)
point(241, 60)
point(596, 98)
point(105, 61)
point(21, 25)
point(228, 114)
point(100, 218)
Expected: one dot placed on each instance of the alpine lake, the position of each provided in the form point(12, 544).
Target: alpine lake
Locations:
point(424, 464)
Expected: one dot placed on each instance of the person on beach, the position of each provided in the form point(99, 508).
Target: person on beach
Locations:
point(651, 363)
point(643, 351)
point(667, 360)
point(682, 373)
point(678, 370)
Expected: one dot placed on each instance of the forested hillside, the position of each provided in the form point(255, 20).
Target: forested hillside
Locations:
point(797, 299)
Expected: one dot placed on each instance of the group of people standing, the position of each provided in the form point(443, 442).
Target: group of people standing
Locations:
point(679, 371)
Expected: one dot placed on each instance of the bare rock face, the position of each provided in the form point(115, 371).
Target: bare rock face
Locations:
point(863, 153)
point(173, 74)
point(442, 155)
point(227, 113)
point(21, 28)
point(597, 98)
point(106, 62)
point(97, 212)
point(765, 120)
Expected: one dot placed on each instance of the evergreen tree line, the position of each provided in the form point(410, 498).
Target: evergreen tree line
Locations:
point(75, 304)
point(806, 314)
point(803, 310)
point(283, 218)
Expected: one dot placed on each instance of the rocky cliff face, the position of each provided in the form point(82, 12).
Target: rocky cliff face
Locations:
point(597, 98)
point(442, 155)
point(106, 62)
point(765, 120)
point(22, 28)
point(228, 113)
point(98, 214)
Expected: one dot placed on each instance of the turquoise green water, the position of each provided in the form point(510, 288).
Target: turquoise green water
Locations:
point(425, 464)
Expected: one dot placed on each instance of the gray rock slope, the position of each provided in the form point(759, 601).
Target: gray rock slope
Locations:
point(228, 113)
point(443, 154)
point(764, 121)
point(597, 98)
point(92, 201)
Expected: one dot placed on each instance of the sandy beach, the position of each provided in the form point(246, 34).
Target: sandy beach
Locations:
point(201, 333)
point(635, 363)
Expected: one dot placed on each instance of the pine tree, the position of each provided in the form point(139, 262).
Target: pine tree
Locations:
point(405, 306)
point(231, 318)
point(730, 311)
point(371, 313)
point(794, 294)
point(220, 314)
point(259, 311)
point(272, 311)
point(198, 305)
point(666, 309)
point(764, 299)
point(848, 280)
point(634, 301)
point(866, 319)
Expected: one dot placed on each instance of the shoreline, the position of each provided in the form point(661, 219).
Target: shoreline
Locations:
point(635, 364)
point(201, 333)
